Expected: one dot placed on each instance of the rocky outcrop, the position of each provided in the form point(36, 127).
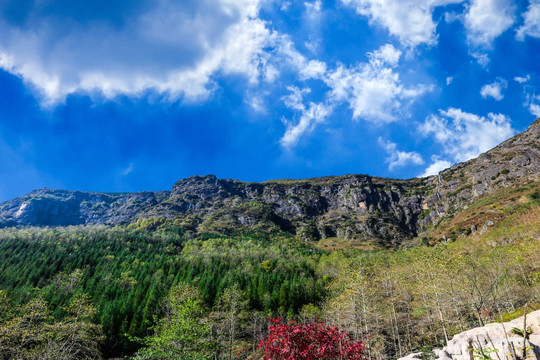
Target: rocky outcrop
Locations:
point(496, 340)
point(49, 207)
point(353, 206)
point(379, 211)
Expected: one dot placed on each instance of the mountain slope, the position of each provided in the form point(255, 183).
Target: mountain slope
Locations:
point(363, 209)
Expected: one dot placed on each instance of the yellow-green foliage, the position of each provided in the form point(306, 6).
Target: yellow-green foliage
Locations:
point(511, 315)
point(426, 294)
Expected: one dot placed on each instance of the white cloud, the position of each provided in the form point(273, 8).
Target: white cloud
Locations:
point(449, 80)
point(287, 51)
point(436, 167)
point(385, 55)
point(451, 16)
point(410, 20)
point(533, 103)
point(485, 20)
point(313, 8)
point(535, 110)
point(399, 158)
point(494, 89)
point(463, 135)
point(313, 45)
point(531, 25)
point(174, 48)
point(128, 170)
point(295, 100)
point(482, 58)
point(310, 116)
point(285, 5)
point(314, 69)
point(522, 79)
point(256, 103)
point(372, 90)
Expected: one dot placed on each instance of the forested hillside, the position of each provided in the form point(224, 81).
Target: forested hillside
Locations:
point(404, 299)
point(128, 272)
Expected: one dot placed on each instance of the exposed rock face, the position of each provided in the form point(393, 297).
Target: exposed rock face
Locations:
point(360, 207)
point(497, 336)
point(347, 206)
point(48, 207)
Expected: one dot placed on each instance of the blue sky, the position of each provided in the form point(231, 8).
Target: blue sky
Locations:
point(134, 95)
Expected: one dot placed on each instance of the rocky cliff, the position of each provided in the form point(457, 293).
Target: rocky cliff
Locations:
point(363, 208)
point(50, 207)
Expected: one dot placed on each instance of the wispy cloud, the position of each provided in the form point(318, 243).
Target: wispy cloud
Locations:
point(310, 116)
point(535, 110)
point(373, 90)
point(398, 158)
point(463, 136)
point(531, 25)
point(494, 89)
point(128, 170)
point(522, 79)
point(436, 166)
point(534, 105)
point(411, 21)
point(313, 9)
point(485, 20)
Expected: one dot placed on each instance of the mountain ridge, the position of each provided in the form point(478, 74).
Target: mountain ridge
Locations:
point(362, 208)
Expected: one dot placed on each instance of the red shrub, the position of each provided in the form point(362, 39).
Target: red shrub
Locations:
point(312, 341)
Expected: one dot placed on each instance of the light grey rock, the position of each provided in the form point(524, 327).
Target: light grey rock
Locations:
point(496, 336)
point(412, 356)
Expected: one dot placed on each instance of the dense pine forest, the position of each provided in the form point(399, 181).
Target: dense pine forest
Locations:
point(132, 285)
point(128, 272)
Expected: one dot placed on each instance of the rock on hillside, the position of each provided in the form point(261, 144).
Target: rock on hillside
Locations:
point(491, 337)
point(347, 206)
point(49, 207)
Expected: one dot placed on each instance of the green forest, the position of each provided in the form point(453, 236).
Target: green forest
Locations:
point(108, 292)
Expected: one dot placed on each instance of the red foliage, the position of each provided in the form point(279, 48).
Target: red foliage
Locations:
point(309, 342)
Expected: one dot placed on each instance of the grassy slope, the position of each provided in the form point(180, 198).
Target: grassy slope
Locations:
point(507, 214)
